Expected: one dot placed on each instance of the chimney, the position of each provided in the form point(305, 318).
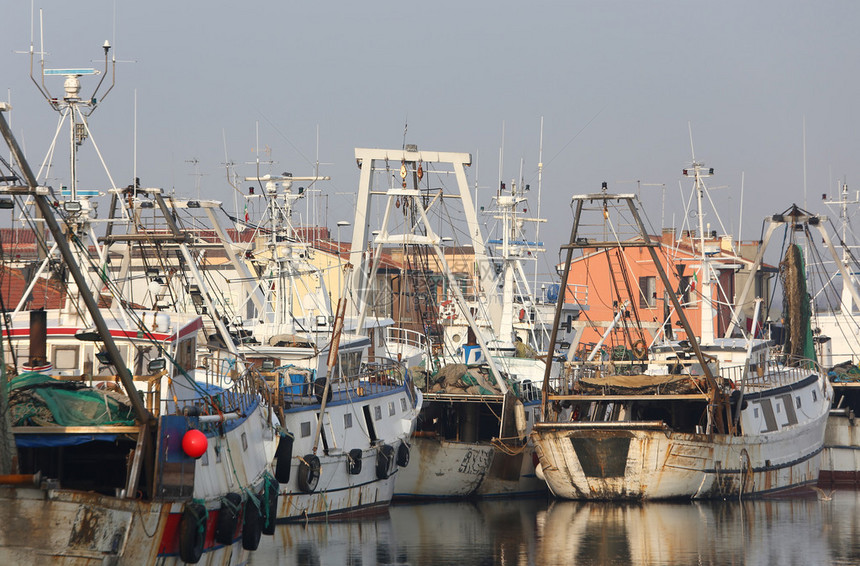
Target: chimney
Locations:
point(38, 340)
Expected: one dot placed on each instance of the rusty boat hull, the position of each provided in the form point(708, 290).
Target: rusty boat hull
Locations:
point(779, 450)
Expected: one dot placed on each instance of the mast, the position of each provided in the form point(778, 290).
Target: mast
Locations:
point(706, 331)
point(39, 195)
point(846, 299)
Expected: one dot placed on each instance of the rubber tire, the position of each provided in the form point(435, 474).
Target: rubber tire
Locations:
point(191, 540)
point(353, 463)
point(271, 510)
point(284, 454)
point(228, 519)
point(384, 459)
point(403, 455)
point(309, 473)
point(251, 531)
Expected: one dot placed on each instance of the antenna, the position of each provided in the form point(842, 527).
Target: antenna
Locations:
point(540, 181)
point(741, 215)
point(501, 159)
point(692, 150)
point(73, 106)
point(804, 163)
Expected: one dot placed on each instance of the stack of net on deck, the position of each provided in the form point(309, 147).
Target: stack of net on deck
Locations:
point(37, 399)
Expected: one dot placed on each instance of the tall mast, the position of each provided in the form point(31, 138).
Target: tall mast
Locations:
point(39, 195)
point(698, 172)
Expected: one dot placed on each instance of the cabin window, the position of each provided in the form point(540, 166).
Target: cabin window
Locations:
point(391, 409)
point(65, 357)
point(755, 412)
point(377, 412)
point(244, 442)
point(306, 429)
point(814, 396)
point(797, 401)
point(647, 292)
point(347, 420)
point(348, 364)
point(403, 404)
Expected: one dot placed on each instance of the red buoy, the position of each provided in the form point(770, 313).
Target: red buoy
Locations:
point(194, 443)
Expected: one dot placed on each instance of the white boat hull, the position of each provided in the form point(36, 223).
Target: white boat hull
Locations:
point(840, 461)
point(444, 469)
point(368, 488)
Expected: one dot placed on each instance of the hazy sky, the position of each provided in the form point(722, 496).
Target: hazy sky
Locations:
point(617, 84)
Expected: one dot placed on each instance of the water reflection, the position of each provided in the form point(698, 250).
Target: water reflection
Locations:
point(541, 533)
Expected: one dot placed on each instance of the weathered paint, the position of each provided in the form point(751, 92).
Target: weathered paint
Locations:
point(840, 461)
point(443, 468)
point(776, 451)
point(512, 475)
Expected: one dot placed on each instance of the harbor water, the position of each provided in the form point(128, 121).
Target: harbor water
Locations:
point(541, 532)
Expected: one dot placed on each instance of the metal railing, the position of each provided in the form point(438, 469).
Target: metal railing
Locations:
point(303, 387)
point(773, 373)
point(406, 337)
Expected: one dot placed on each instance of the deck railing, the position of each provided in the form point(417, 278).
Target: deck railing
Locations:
point(411, 338)
point(774, 373)
point(303, 387)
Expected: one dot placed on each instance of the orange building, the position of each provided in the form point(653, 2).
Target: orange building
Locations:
point(626, 280)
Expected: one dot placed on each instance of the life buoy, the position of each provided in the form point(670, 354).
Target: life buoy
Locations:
point(522, 314)
point(319, 389)
point(403, 455)
point(251, 531)
point(192, 532)
point(284, 458)
point(447, 310)
point(309, 473)
point(228, 518)
point(353, 461)
point(270, 498)
point(384, 459)
point(640, 349)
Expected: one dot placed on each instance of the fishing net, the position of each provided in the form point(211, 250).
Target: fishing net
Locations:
point(37, 399)
point(797, 311)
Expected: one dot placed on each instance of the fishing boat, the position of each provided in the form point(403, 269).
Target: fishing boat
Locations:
point(344, 417)
point(717, 419)
point(470, 435)
point(95, 469)
point(833, 338)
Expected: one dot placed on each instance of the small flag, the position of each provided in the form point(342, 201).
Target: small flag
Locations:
point(247, 216)
point(695, 281)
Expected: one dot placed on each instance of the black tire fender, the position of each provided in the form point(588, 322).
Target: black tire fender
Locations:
point(269, 498)
point(384, 459)
point(192, 532)
point(309, 473)
point(353, 461)
point(284, 455)
point(251, 528)
point(228, 518)
point(403, 455)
